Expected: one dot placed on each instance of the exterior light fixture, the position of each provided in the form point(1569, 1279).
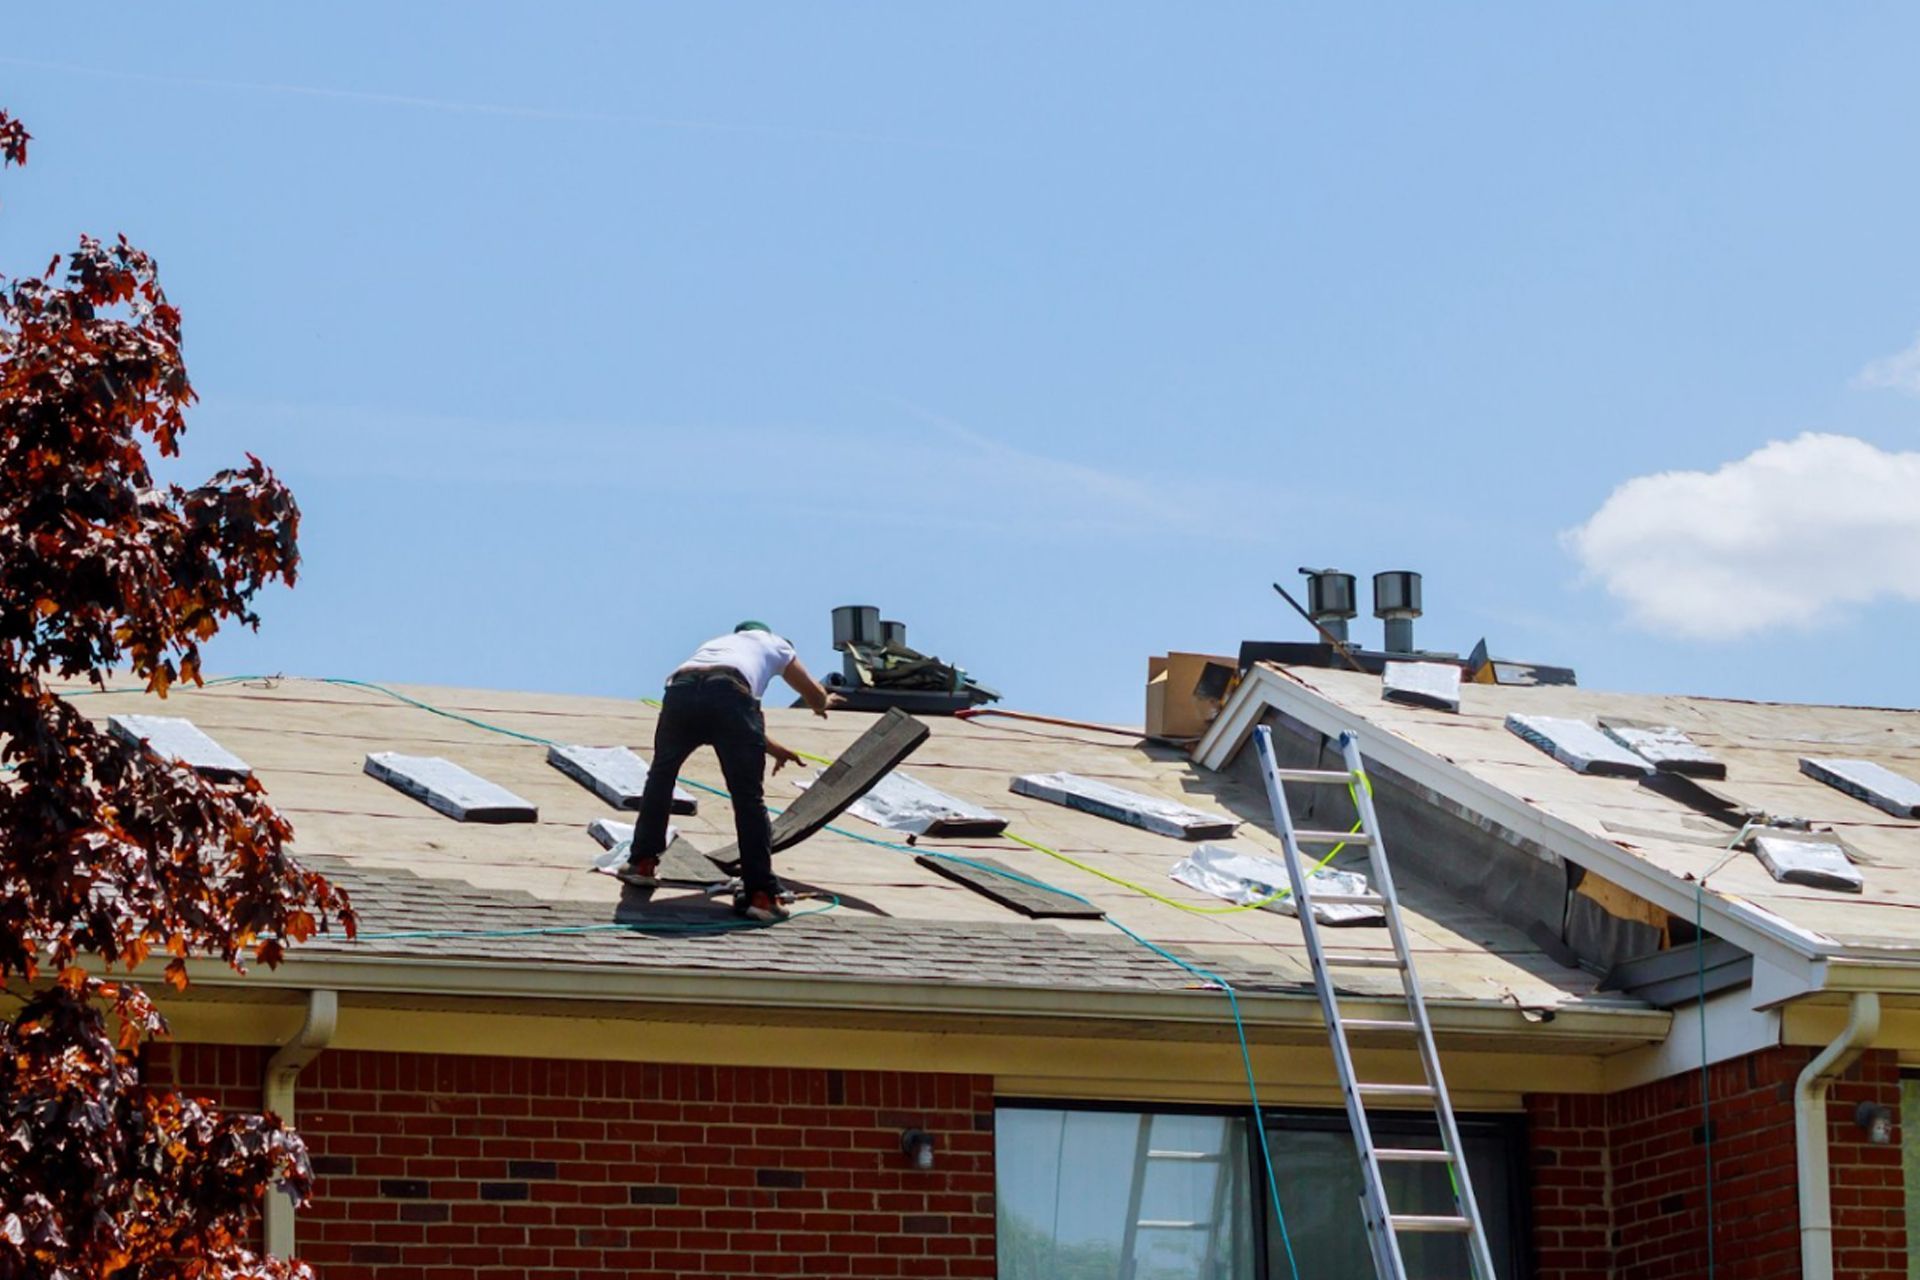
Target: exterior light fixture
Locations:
point(917, 1146)
point(1877, 1121)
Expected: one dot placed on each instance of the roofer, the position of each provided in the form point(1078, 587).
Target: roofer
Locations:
point(713, 700)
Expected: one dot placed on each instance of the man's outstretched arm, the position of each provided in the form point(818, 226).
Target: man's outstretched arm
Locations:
point(801, 681)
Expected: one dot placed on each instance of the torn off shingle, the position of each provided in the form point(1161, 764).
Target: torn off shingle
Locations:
point(1102, 799)
point(1864, 780)
point(1579, 746)
point(1422, 684)
point(1667, 749)
point(1819, 863)
point(174, 738)
point(615, 774)
point(444, 786)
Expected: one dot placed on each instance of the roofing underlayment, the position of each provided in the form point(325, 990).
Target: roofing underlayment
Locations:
point(1654, 824)
point(412, 868)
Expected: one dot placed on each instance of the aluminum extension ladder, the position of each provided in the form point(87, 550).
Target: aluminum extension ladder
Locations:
point(1384, 1227)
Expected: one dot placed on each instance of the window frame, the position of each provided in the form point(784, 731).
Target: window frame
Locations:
point(1510, 1128)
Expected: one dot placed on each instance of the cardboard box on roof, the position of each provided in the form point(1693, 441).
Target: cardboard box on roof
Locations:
point(1185, 692)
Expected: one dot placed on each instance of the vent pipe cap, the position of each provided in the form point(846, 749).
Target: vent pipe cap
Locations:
point(856, 624)
point(1396, 594)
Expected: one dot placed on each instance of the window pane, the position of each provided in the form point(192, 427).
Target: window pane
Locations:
point(1111, 1195)
point(1319, 1178)
point(1910, 1155)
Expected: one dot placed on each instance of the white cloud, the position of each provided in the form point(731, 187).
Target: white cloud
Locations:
point(1780, 537)
point(1897, 372)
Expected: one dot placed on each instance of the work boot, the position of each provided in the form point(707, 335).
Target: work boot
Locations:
point(640, 872)
point(762, 906)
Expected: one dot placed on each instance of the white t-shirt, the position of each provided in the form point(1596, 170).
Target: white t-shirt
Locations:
point(758, 656)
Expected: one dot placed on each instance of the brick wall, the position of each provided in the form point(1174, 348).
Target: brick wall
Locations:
point(1619, 1182)
point(437, 1167)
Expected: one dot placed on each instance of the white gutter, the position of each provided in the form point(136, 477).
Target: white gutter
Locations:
point(1810, 1133)
point(283, 1068)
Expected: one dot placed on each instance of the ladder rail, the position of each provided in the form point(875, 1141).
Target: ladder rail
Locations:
point(1383, 1226)
point(1480, 1253)
point(1386, 1249)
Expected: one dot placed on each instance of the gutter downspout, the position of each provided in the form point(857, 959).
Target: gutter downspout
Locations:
point(283, 1068)
point(1810, 1133)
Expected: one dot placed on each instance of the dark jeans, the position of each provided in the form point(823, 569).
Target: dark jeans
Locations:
point(713, 712)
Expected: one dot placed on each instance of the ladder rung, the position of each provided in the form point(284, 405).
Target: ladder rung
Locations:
point(1340, 776)
point(1413, 1155)
point(1379, 1024)
point(1429, 1222)
point(1355, 960)
point(1396, 1090)
point(1347, 899)
point(1332, 837)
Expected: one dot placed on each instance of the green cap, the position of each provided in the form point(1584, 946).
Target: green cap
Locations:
point(751, 625)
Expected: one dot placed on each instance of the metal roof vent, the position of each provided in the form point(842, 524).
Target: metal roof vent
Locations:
point(878, 670)
point(1330, 600)
point(855, 624)
point(1396, 601)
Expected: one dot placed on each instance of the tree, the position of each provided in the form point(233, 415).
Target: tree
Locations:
point(107, 853)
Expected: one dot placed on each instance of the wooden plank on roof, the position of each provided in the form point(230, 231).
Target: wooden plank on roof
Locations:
point(993, 879)
point(176, 738)
point(615, 774)
point(873, 755)
point(1104, 800)
point(447, 788)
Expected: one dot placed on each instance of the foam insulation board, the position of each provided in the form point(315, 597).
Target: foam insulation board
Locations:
point(1579, 746)
point(1422, 684)
point(1820, 864)
point(615, 774)
point(1666, 748)
point(444, 786)
point(1864, 780)
point(900, 802)
point(175, 738)
point(1102, 799)
point(984, 876)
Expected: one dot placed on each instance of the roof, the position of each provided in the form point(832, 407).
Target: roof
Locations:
point(1650, 840)
point(411, 868)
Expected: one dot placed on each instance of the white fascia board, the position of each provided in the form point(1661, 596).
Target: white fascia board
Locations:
point(1763, 933)
point(1734, 1029)
point(561, 983)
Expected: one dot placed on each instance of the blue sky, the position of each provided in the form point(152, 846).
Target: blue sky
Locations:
point(1059, 332)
